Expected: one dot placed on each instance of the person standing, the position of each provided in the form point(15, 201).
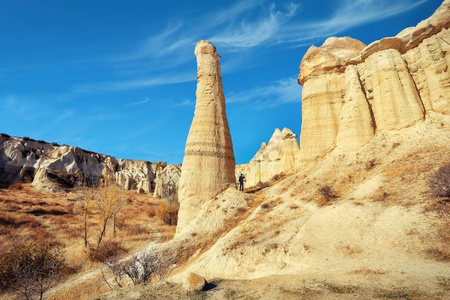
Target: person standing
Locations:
point(241, 182)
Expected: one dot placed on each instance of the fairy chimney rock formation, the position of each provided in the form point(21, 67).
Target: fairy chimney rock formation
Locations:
point(351, 91)
point(209, 164)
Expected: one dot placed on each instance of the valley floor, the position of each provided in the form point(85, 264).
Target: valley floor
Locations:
point(320, 287)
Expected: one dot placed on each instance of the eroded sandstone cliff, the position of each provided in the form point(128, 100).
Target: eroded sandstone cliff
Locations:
point(54, 167)
point(167, 181)
point(352, 91)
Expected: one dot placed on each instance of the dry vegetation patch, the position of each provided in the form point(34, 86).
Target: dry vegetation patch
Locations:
point(30, 215)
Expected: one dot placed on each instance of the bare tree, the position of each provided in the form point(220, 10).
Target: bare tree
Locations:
point(170, 191)
point(109, 201)
point(115, 267)
point(86, 196)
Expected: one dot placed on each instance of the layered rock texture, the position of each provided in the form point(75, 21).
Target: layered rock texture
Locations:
point(352, 91)
point(278, 156)
point(53, 167)
point(167, 181)
point(209, 164)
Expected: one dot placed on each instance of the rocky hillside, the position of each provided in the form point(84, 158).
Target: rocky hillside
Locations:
point(53, 167)
point(357, 209)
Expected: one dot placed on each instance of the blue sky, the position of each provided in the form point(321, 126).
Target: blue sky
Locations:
point(119, 77)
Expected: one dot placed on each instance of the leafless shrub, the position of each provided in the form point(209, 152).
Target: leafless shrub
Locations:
point(370, 164)
point(168, 213)
point(327, 194)
point(105, 251)
point(263, 184)
point(30, 270)
point(115, 268)
point(327, 191)
point(140, 269)
point(438, 253)
point(439, 182)
point(163, 266)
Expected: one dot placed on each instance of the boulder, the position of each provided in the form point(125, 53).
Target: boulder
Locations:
point(194, 283)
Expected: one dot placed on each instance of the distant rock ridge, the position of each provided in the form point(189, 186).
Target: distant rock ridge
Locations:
point(53, 167)
point(208, 164)
point(278, 156)
point(351, 91)
point(167, 181)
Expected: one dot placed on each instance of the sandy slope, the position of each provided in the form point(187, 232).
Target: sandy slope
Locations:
point(284, 242)
point(379, 224)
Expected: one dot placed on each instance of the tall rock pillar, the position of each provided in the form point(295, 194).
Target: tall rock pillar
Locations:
point(208, 165)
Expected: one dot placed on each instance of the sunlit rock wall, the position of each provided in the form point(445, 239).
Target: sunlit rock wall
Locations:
point(352, 91)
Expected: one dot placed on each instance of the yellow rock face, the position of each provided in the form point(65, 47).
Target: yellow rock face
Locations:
point(209, 164)
point(321, 108)
point(391, 91)
point(356, 123)
point(278, 156)
point(428, 64)
point(350, 92)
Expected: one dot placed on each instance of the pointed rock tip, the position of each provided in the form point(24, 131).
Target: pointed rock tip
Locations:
point(288, 134)
point(276, 133)
point(205, 47)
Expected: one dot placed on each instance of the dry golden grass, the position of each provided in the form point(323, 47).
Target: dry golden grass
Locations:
point(440, 249)
point(89, 289)
point(365, 271)
point(27, 214)
point(168, 213)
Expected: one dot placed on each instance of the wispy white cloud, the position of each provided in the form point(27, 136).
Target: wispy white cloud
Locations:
point(161, 44)
point(271, 95)
point(184, 102)
point(244, 25)
point(250, 34)
point(66, 114)
point(348, 15)
point(24, 108)
point(136, 83)
point(288, 26)
point(233, 12)
point(146, 100)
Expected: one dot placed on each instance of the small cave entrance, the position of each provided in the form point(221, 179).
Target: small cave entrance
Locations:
point(27, 174)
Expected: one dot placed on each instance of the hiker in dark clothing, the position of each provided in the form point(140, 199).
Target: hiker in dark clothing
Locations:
point(241, 182)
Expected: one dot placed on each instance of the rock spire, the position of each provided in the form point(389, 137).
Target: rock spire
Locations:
point(209, 164)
